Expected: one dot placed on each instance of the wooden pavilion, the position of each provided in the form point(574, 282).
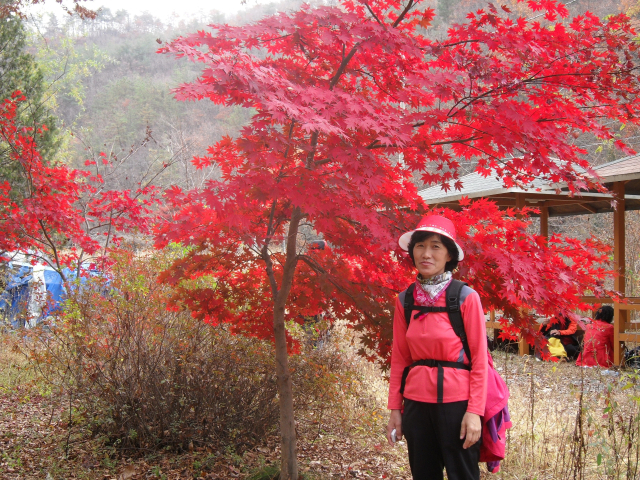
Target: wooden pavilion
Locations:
point(622, 179)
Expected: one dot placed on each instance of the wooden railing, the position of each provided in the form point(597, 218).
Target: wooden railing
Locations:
point(523, 346)
point(622, 333)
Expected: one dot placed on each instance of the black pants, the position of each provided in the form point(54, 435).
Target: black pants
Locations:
point(433, 437)
point(572, 351)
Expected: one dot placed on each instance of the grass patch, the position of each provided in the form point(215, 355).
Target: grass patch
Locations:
point(269, 472)
point(272, 472)
point(15, 371)
point(570, 422)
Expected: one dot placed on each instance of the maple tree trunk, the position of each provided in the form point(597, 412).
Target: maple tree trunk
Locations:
point(288, 445)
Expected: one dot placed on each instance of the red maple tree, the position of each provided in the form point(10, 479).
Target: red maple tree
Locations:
point(58, 215)
point(350, 102)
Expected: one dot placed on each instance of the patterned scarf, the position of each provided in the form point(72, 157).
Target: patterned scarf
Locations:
point(431, 289)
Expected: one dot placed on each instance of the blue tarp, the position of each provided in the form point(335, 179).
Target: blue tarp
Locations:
point(23, 296)
point(53, 282)
point(15, 299)
point(55, 292)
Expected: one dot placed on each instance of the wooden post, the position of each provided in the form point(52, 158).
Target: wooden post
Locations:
point(619, 260)
point(544, 222)
point(496, 331)
point(523, 346)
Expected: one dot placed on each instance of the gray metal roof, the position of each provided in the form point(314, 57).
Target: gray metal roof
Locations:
point(624, 169)
point(475, 185)
point(556, 197)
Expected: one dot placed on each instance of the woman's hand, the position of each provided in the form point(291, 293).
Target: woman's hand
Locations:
point(554, 332)
point(471, 429)
point(395, 421)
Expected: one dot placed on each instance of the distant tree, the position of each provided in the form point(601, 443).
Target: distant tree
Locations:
point(67, 63)
point(445, 10)
point(109, 89)
point(65, 217)
point(19, 71)
point(17, 7)
point(348, 102)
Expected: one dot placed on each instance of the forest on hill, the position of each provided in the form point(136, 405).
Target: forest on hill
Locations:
point(111, 91)
point(100, 86)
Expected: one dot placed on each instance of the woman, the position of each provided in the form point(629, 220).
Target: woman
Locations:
point(598, 340)
point(439, 434)
point(564, 329)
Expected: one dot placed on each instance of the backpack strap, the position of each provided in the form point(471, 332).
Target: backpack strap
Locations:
point(406, 298)
point(455, 315)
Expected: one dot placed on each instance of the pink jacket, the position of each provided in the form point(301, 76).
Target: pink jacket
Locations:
point(431, 336)
point(495, 422)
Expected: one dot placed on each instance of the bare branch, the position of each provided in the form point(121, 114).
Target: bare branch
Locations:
point(372, 13)
point(343, 65)
point(404, 13)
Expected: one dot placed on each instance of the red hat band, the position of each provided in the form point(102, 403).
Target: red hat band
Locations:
point(438, 224)
point(435, 224)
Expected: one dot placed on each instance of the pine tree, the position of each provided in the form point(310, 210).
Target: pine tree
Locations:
point(20, 72)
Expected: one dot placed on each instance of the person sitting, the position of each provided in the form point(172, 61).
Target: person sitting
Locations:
point(564, 329)
point(598, 340)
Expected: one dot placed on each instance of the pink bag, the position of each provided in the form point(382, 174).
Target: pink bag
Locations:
point(495, 420)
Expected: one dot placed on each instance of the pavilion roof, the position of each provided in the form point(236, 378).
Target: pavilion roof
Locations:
point(475, 185)
point(543, 193)
point(624, 169)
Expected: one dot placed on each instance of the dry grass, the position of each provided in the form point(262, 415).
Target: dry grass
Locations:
point(347, 440)
point(14, 371)
point(569, 423)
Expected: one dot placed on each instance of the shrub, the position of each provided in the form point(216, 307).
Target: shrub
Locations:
point(144, 376)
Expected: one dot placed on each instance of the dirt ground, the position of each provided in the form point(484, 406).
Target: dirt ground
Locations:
point(41, 436)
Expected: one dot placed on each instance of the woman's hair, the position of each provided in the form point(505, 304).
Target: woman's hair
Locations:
point(605, 313)
point(561, 321)
point(421, 236)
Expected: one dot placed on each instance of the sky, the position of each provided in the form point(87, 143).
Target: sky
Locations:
point(162, 9)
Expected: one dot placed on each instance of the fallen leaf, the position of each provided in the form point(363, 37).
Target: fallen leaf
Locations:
point(128, 472)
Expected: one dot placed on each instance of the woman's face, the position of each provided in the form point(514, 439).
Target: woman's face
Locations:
point(430, 256)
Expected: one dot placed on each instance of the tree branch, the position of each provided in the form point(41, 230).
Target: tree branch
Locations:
point(313, 144)
point(343, 65)
point(53, 249)
point(265, 251)
point(316, 267)
point(404, 13)
point(372, 13)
